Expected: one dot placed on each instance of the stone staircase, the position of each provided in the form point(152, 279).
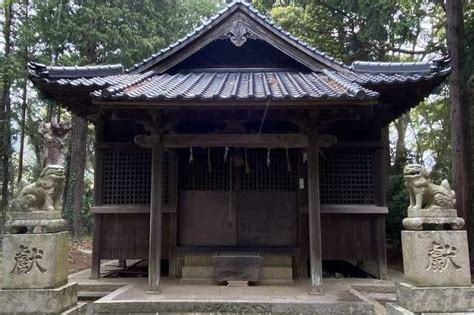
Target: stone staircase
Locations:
point(198, 269)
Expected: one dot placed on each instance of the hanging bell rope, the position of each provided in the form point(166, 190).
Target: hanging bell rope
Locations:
point(191, 157)
point(209, 164)
point(247, 167)
point(288, 160)
point(226, 153)
point(268, 157)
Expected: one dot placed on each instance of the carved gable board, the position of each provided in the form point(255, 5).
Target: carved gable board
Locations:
point(239, 23)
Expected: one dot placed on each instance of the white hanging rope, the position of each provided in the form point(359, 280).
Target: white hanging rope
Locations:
point(288, 160)
point(268, 157)
point(247, 167)
point(226, 153)
point(191, 158)
point(209, 164)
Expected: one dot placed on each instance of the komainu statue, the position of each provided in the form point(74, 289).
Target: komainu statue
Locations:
point(44, 194)
point(36, 208)
point(430, 204)
point(423, 193)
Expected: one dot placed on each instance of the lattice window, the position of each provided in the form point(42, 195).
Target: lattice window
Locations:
point(127, 177)
point(347, 177)
point(206, 171)
point(280, 174)
point(254, 174)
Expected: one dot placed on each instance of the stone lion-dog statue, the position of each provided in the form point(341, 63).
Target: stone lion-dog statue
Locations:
point(423, 193)
point(44, 194)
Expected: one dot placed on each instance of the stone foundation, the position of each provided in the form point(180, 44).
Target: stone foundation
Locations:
point(416, 300)
point(38, 301)
point(35, 261)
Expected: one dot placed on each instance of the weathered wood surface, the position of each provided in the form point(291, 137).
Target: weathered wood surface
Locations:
point(235, 140)
point(349, 209)
point(267, 218)
point(203, 219)
point(123, 209)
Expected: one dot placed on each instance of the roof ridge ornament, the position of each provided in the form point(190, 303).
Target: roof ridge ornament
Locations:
point(238, 34)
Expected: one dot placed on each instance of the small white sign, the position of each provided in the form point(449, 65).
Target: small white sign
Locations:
point(301, 183)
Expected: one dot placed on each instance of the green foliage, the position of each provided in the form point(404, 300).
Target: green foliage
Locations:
point(350, 30)
point(397, 202)
point(114, 31)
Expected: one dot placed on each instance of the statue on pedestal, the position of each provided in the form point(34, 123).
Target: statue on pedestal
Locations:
point(36, 243)
point(435, 250)
point(37, 206)
point(430, 204)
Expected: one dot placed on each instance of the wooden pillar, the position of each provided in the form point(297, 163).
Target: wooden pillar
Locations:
point(314, 217)
point(95, 268)
point(98, 190)
point(156, 214)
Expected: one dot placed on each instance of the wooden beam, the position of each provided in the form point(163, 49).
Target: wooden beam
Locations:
point(156, 216)
point(235, 140)
point(314, 217)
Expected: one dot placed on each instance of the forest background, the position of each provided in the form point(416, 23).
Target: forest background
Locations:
point(85, 32)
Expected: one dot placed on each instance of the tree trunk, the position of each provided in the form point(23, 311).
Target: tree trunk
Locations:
point(401, 124)
point(5, 113)
point(459, 111)
point(22, 131)
point(77, 166)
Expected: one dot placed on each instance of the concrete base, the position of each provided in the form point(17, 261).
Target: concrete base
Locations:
point(38, 301)
point(177, 298)
point(394, 309)
point(435, 299)
point(35, 261)
point(436, 258)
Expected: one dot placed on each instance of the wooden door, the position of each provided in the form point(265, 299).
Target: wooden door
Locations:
point(248, 204)
point(267, 218)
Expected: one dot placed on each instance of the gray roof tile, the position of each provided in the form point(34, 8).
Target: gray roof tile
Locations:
point(239, 85)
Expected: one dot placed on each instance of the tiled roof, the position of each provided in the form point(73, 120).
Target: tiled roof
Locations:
point(241, 85)
point(259, 17)
point(54, 72)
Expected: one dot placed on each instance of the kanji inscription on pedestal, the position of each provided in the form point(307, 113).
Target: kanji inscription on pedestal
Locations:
point(27, 259)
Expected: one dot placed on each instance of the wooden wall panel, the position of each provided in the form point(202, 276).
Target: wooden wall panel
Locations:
point(349, 237)
point(125, 236)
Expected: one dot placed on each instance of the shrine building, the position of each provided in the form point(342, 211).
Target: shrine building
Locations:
point(242, 150)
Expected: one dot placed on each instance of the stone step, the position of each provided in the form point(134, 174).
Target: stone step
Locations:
point(277, 261)
point(198, 272)
point(270, 261)
point(198, 260)
point(91, 295)
point(383, 297)
point(81, 308)
point(205, 274)
point(276, 275)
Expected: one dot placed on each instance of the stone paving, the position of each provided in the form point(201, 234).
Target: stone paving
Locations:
point(342, 296)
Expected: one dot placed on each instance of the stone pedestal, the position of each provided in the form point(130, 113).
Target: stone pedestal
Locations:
point(35, 274)
point(436, 258)
point(437, 274)
point(35, 261)
point(38, 301)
